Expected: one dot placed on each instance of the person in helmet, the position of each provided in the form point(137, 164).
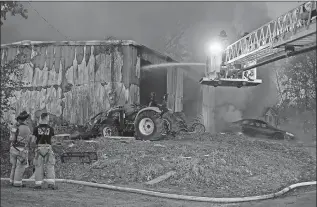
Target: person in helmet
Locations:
point(215, 62)
point(21, 138)
point(225, 42)
point(153, 102)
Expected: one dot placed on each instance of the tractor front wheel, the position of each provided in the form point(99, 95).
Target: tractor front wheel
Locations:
point(149, 126)
point(197, 128)
point(108, 130)
point(172, 121)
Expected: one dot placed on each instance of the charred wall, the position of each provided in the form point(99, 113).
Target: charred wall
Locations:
point(174, 78)
point(74, 82)
point(152, 81)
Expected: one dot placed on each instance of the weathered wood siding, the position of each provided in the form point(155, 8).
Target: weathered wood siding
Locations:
point(74, 82)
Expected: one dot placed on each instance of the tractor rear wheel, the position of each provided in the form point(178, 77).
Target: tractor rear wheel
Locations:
point(149, 126)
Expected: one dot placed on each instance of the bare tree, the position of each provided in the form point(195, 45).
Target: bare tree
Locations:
point(110, 37)
point(176, 43)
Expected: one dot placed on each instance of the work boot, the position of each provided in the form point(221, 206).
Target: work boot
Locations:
point(52, 187)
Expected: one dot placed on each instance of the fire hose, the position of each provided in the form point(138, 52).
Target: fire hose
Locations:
point(177, 196)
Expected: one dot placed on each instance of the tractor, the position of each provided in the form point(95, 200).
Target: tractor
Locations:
point(152, 122)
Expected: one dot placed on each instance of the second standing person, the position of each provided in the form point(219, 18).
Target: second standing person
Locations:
point(44, 155)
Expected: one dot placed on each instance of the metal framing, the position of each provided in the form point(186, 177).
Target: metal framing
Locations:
point(230, 82)
point(297, 27)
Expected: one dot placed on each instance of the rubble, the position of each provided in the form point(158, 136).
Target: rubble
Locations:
point(245, 166)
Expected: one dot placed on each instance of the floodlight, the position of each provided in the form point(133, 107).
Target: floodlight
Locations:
point(215, 48)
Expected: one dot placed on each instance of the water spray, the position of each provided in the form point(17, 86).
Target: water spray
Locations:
point(163, 65)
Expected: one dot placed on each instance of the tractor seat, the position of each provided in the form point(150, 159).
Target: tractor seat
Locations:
point(129, 109)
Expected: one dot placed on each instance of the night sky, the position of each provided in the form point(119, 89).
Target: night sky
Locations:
point(144, 22)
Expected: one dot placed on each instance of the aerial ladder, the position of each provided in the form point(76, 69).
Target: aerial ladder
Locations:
point(290, 34)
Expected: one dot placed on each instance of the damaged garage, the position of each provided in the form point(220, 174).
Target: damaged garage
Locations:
point(73, 81)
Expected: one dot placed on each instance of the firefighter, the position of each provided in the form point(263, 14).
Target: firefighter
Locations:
point(165, 100)
point(20, 138)
point(224, 70)
point(216, 60)
point(153, 102)
point(44, 155)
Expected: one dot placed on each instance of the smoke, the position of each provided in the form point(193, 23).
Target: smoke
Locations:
point(249, 16)
point(233, 104)
point(226, 114)
point(265, 95)
point(9, 33)
point(232, 114)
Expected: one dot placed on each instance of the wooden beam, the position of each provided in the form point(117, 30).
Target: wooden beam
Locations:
point(161, 178)
point(179, 90)
point(170, 88)
point(208, 106)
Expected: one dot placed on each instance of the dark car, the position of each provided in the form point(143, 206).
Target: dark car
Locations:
point(254, 127)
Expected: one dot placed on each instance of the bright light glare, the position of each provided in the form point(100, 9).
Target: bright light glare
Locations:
point(215, 48)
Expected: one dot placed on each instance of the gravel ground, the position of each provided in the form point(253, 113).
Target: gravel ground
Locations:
point(78, 196)
point(225, 165)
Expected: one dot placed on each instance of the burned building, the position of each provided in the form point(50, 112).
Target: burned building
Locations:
point(75, 80)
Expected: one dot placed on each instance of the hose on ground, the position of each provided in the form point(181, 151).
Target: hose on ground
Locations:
point(180, 197)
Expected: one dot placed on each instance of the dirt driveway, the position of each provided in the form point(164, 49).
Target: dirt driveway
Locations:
point(76, 196)
point(72, 195)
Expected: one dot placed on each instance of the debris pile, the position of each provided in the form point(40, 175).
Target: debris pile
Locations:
point(229, 164)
